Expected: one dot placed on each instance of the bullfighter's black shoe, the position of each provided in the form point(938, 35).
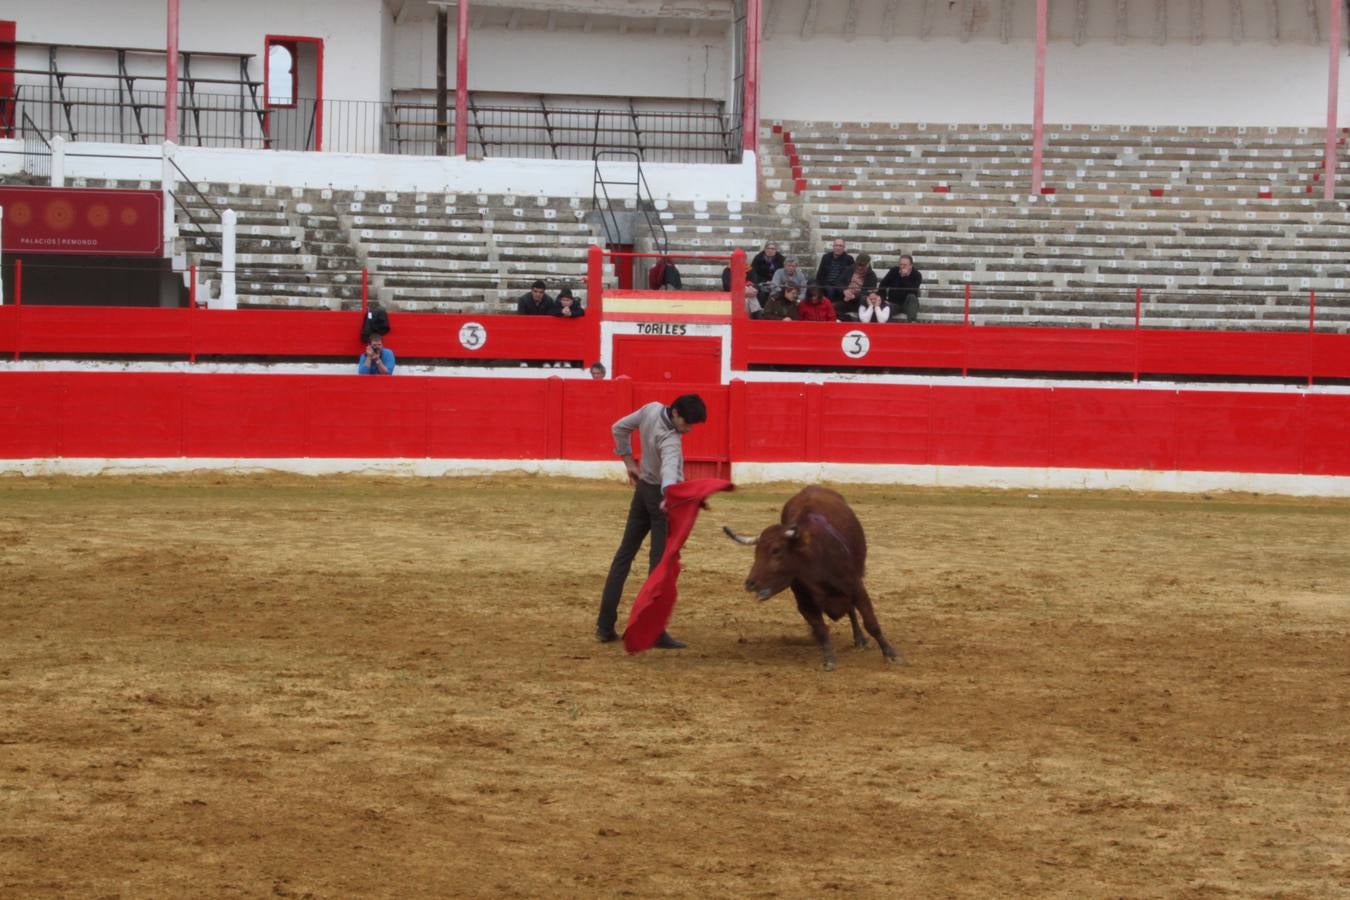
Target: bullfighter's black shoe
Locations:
point(666, 642)
point(606, 636)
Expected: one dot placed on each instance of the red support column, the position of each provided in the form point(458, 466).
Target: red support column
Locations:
point(1138, 320)
point(1333, 85)
point(738, 283)
point(1038, 106)
point(171, 74)
point(595, 302)
point(750, 84)
point(462, 80)
point(192, 309)
point(1312, 335)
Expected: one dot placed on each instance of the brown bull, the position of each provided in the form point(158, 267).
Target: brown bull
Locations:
point(819, 551)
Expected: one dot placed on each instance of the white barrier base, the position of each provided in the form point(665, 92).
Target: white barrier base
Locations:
point(743, 473)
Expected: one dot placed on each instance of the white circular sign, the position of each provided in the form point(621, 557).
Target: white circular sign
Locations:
point(856, 344)
point(472, 336)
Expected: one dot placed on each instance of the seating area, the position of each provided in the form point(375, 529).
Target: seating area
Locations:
point(1179, 215)
point(1220, 228)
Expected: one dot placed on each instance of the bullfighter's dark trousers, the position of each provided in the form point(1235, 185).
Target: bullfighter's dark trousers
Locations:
point(644, 515)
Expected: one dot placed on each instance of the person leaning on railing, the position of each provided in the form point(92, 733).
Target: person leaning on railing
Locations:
point(901, 288)
point(566, 306)
point(536, 302)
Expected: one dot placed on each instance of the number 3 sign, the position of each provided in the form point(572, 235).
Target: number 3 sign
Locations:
point(856, 345)
point(472, 336)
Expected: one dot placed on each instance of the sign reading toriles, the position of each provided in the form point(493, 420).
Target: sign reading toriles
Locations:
point(82, 221)
point(675, 328)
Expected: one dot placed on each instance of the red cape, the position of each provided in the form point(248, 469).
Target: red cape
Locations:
point(656, 601)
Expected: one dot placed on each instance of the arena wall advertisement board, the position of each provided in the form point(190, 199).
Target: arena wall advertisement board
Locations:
point(82, 221)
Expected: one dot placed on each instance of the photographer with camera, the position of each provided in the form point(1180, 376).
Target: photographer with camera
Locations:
point(377, 360)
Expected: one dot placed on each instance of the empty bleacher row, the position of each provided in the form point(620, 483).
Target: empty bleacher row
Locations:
point(1219, 228)
point(436, 252)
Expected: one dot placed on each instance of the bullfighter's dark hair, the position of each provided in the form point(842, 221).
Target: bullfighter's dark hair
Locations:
point(691, 408)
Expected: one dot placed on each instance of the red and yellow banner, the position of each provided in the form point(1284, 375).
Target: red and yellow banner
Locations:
point(81, 221)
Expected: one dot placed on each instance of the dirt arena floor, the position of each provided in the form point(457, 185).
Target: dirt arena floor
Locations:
point(276, 686)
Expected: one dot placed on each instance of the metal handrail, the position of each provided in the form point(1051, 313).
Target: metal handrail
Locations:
point(192, 219)
point(30, 125)
point(646, 203)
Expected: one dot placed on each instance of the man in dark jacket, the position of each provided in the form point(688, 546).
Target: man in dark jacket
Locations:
point(536, 302)
point(901, 287)
point(833, 271)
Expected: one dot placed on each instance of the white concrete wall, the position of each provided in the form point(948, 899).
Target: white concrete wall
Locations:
point(1098, 82)
point(350, 30)
point(635, 64)
point(372, 172)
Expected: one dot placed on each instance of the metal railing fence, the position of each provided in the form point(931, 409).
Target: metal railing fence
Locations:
point(410, 127)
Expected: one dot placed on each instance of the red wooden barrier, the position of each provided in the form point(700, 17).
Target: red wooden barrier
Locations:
point(169, 415)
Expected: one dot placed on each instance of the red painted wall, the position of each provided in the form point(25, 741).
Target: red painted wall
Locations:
point(135, 415)
point(7, 112)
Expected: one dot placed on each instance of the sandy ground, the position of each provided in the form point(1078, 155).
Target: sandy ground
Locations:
point(279, 686)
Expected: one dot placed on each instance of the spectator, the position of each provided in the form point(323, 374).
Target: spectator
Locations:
point(664, 276)
point(789, 274)
point(860, 279)
point(901, 286)
point(536, 302)
point(598, 371)
point(766, 263)
point(874, 309)
point(567, 306)
point(726, 278)
point(832, 273)
point(753, 308)
point(377, 360)
point(376, 321)
point(783, 305)
point(815, 308)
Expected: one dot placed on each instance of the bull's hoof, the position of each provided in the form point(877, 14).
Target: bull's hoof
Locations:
point(829, 665)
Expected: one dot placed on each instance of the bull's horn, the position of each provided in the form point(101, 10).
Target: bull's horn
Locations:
point(790, 533)
point(737, 538)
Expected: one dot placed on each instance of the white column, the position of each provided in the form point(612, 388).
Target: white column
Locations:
point(58, 161)
point(229, 227)
point(167, 182)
